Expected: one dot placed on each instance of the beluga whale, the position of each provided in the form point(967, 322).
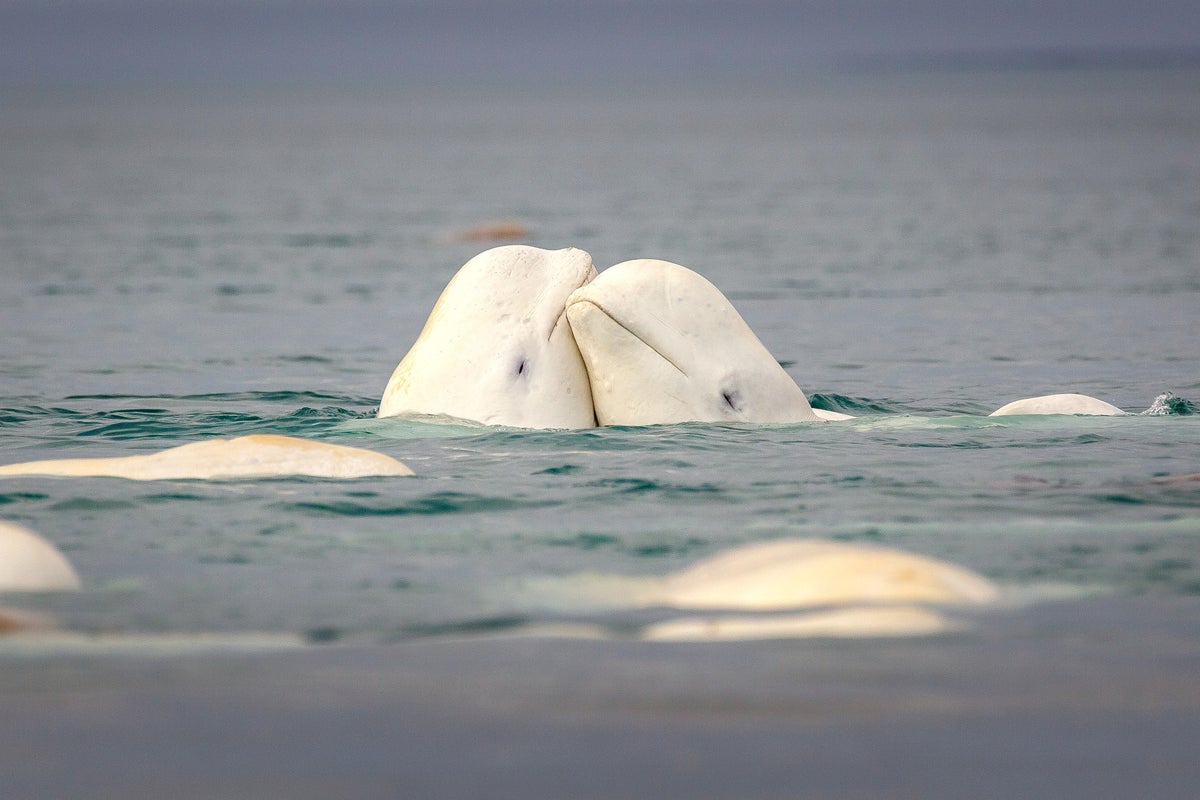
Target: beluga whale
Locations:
point(783, 589)
point(1059, 404)
point(260, 455)
point(497, 348)
point(29, 563)
point(663, 345)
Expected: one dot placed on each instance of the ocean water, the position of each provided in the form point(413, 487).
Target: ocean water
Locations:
point(916, 249)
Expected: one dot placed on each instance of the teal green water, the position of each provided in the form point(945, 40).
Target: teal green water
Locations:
point(915, 250)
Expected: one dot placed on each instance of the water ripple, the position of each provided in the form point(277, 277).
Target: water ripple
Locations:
point(433, 504)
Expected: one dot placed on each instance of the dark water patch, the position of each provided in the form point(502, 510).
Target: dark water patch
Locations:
point(1176, 575)
point(624, 438)
point(18, 497)
point(172, 497)
point(92, 504)
point(667, 548)
point(564, 469)
point(584, 541)
point(231, 558)
point(64, 290)
point(829, 401)
point(1156, 492)
point(966, 444)
point(470, 627)
point(209, 424)
point(323, 634)
point(864, 535)
point(1083, 549)
point(174, 241)
point(438, 503)
point(333, 240)
point(20, 416)
point(639, 486)
point(1123, 499)
point(269, 396)
point(166, 423)
point(243, 289)
point(303, 359)
point(308, 415)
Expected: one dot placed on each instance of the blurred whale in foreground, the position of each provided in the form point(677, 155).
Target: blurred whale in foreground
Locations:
point(29, 563)
point(824, 589)
point(794, 573)
point(254, 456)
point(1058, 404)
point(663, 345)
point(497, 348)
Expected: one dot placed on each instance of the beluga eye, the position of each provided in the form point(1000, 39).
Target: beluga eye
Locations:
point(521, 366)
point(733, 400)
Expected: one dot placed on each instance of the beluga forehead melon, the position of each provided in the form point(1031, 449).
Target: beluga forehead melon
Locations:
point(663, 345)
point(497, 348)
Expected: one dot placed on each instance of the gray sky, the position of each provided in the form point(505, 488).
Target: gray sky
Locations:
point(47, 42)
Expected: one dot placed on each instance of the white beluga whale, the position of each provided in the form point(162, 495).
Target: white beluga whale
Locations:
point(663, 345)
point(1058, 404)
point(788, 588)
point(254, 456)
point(795, 573)
point(497, 348)
point(29, 563)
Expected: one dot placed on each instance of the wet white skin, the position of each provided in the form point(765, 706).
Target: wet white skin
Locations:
point(663, 345)
point(1058, 404)
point(497, 348)
point(29, 563)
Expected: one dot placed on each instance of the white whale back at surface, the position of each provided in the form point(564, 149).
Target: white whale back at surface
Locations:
point(255, 456)
point(788, 588)
point(842, 590)
point(497, 348)
point(29, 563)
point(663, 345)
point(795, 573)
point(1058, 404)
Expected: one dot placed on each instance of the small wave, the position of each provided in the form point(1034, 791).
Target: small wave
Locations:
point(1167, 405)
point(328, 239)
point(273, 396)
point(170, 422)
point(638, 486)
point(828, 401)
point(470, 627)
point(16, 497)
point(433, 504)
point(412, 427)
point(242, 290)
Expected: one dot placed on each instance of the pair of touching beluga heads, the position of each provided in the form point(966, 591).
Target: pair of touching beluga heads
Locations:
point(532, 338)
point(535, 338)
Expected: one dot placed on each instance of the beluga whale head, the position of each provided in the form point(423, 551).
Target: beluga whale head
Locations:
point(497, 348)
point(663, 345)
